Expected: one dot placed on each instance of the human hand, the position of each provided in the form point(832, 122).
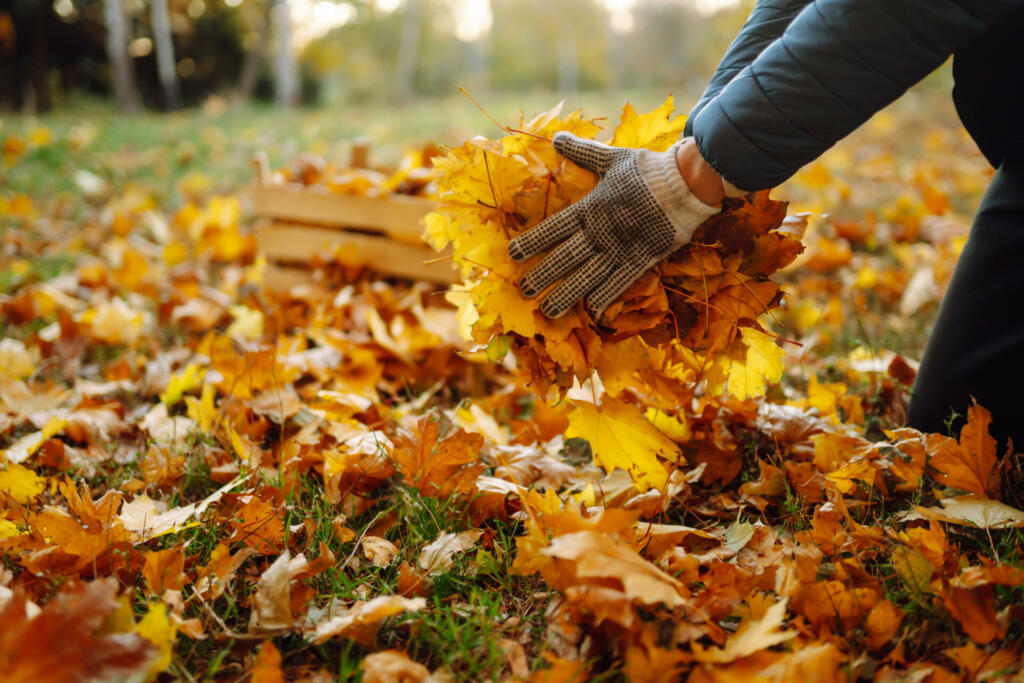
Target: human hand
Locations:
point(640, 212)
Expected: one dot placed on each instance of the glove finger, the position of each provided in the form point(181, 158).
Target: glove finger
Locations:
point(567, 256)
point(551, 230)
point(610, 289)
point(589, 154)
point(576, 286)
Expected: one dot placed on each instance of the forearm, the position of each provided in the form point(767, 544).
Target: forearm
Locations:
point(837, 63)
point(767, 21)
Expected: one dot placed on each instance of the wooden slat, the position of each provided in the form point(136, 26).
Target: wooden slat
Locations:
point(396, 215)
point(290, 242)
point(280, 278)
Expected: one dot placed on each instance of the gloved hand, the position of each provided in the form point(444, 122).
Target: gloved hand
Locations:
point(640, 212)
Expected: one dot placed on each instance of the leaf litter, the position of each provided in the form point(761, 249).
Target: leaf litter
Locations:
point(370, 475)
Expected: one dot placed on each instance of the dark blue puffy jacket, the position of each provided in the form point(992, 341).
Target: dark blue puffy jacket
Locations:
point(801, 75)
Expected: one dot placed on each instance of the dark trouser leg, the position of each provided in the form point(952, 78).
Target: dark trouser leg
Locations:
point(976, 348)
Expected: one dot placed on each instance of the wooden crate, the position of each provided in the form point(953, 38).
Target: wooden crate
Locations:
point(296, 222)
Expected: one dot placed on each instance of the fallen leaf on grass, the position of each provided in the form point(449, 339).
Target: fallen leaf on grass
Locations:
point(62, 642)
point(266, 668)
point(147, 518)
point(977, 510)
point(621, 437)
point(600, 559)
point(380, 551)
point(971, 464)
point(360, 621)
point(438, 555)
point(751, 636)
point(392, 666)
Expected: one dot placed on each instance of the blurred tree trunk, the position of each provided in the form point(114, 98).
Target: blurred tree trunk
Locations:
point(121, 66)
point(408, 49)
point(165, 63)
point(285, 82)
point(39, 63)
point(10, 95)
point(259, 25)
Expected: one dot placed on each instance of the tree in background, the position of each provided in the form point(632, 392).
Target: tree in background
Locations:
point(286, 87)
point(408, 51)
point(121, 67)
point(166, 66)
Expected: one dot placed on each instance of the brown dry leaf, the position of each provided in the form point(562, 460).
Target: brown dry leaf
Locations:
point(593, 558)
point(434, 465)
point(515, 657)
point(272, 602)
point(392, 666)
point(360, 622)
point(266, 668)
point(977, 510)
point(970, 465)
point(380, 551)
point(165, 570)
point(562, 670)
point(257, 525)
point(751, 636)
point(438, 555)
point(882, 624)
point(975, 611)
point(834, 604)
point(975, 662)
point(646, 662)
point(814, 663)
point(63, 642)
point(215, 577)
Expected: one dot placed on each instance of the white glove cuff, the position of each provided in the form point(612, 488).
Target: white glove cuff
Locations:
point(684, 211)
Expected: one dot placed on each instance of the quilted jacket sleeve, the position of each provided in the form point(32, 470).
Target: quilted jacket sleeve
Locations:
point(765, 24)
point(835, 65)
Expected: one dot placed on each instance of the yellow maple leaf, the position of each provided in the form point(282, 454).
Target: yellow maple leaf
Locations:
point(619, 436)
point(20, 484)
point(847, 476)
point(181, 383)
point(762, 364)
point(656, 130)
point(156, 627)
point(202, 409)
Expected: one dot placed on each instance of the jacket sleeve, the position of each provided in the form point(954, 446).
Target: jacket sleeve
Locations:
point(836, 64)
point(765, 24)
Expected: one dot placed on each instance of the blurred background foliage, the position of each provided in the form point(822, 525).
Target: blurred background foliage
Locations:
point(55, 52)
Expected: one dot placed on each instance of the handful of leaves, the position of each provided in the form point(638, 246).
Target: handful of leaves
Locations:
point(688, 327)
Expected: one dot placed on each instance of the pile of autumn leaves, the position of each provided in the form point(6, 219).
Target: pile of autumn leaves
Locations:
point(723, 536)
point(688, 325)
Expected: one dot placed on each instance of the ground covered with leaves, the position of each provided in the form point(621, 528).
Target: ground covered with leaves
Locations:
point(203, 478)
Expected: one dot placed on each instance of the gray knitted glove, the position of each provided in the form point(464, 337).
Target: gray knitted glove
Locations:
point(639, 213)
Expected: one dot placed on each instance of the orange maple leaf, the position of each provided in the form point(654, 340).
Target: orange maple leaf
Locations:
point(437, 466)
point(971, 464)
